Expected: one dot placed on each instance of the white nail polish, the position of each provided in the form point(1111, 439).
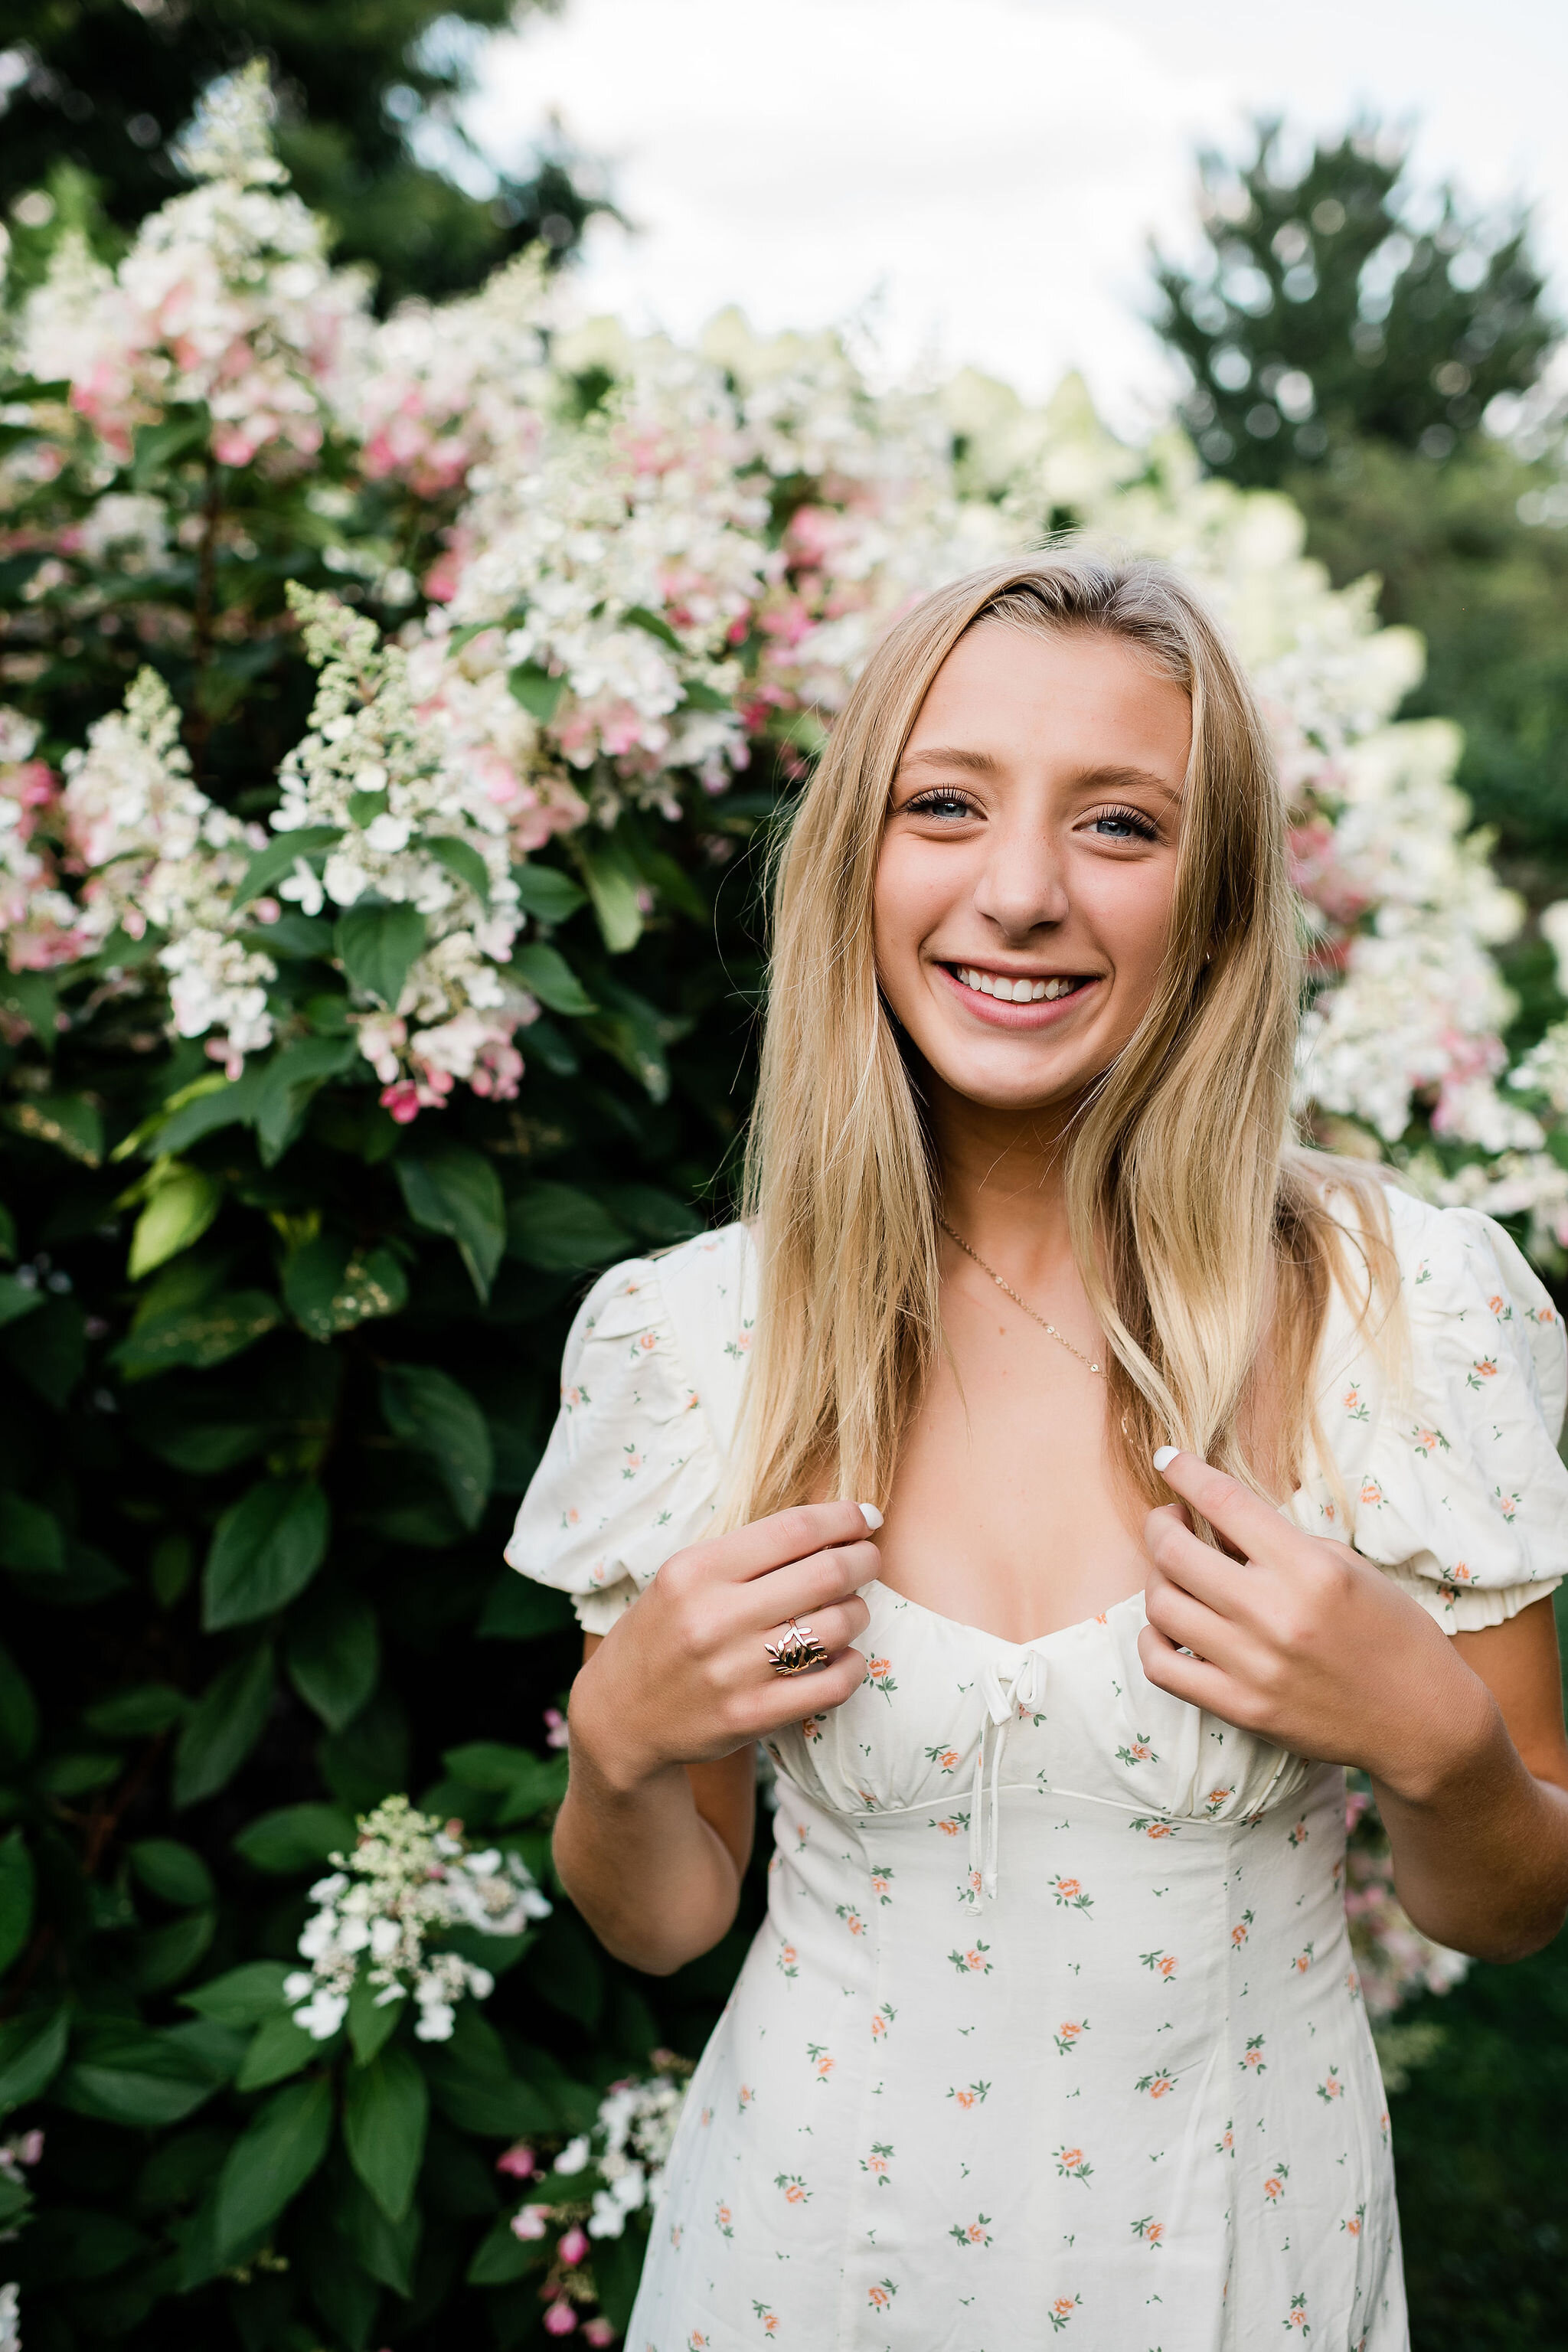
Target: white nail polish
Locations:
point(872, 1514)
point(1165, 1456)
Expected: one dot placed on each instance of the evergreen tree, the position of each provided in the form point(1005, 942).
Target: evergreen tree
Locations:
point(98, 88)
point(1332, 308)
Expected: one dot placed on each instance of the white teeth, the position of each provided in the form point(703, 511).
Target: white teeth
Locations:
point(1014, 991)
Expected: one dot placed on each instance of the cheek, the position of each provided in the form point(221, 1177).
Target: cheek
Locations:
point(1128, 909)
point(912, 892)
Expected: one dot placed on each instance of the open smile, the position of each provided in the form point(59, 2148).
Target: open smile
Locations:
point(1022, 999)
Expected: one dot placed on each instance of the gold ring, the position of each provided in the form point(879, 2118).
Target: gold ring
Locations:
point(796, 1651)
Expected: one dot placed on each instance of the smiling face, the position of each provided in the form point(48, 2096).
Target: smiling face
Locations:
point(1028, 867)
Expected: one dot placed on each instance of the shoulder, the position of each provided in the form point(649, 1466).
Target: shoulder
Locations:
point(683, 1313)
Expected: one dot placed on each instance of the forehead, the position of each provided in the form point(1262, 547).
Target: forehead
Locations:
point(1012, 694)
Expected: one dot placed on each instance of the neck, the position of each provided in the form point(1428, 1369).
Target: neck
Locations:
point(1003, 1181)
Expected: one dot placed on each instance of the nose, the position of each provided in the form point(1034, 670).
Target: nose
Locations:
point(1021, 887)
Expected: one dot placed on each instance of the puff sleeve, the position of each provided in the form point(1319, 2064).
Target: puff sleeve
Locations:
point(1447, 1471)
point(631, 1470)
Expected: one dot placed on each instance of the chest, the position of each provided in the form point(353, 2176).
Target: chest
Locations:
point(1005, 1509)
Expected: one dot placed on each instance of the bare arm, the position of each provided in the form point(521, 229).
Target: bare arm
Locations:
point(655, 1829)
point(1306, 1643)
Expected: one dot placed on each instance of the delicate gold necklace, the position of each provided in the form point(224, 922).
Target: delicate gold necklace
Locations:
point(1013, 1295)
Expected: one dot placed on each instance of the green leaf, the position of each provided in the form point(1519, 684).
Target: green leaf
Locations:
point(475, 2088)
point(69, 1122)
point(139, 1713)
point(538, 692)
point(29, 997)
point(7, 1232)
point(616, 887)
point(277, 859)
point(271, 2161)
point(18, 1298)
point(638, 617)
point(377, 945)
point(230, 1103)
point(545, 893)
point(228, 1721)
point(32, 2049)
point(266, 1549)
point(371, 2021)
point(201, 1335)
point(452, 1190)
point(698, 695)
point(127, 2075)
point(547, 975)
point(290, 1083)
point(244, 1997)
point(157, 447)
point(334, 1653)
point(429, 1412)
point(279, 2047)
point(462, 858)
point(502, 2257)
point(386, 2249)
point(50, 1355)
point(329, 1286)
point(173, 1873)
point(559, 1230)
point(518, 1609)
point(182, 1206)
point(386, 2111)
point(166, 1955)
point(32, 1540)
point(296, 1837)
point(15, 1898)
point(653, 1216)
point(18, 1713)
point(75, 1775)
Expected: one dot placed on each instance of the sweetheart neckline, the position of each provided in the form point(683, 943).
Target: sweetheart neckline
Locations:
point(1001, 1641)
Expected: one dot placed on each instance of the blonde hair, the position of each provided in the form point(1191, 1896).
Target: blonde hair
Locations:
point(1195, 1220)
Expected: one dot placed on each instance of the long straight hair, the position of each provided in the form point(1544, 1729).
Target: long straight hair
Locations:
point(1196, 1221)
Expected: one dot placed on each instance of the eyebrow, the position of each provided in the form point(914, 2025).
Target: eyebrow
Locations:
point(981, 763)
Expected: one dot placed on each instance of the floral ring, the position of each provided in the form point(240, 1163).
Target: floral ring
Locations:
point(797, 1651)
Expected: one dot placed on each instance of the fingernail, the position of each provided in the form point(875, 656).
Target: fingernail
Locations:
point(872, 1514)
point(1165, 1456)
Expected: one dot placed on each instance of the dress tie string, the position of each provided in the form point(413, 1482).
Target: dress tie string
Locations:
point(1008, 1690)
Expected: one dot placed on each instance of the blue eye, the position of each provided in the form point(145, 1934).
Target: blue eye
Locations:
point(1124, 824)
point(939, 803)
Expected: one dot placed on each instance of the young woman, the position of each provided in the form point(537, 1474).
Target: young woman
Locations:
point(1200, 1465)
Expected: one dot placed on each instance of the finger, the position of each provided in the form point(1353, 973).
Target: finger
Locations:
point(832, 1629)
point(1190, 1623)
point(1220, 1582)
point(790, 1698)
point(1242, 1517)
point(809, 1584)
point(1197, 1680)
point(789, 1535)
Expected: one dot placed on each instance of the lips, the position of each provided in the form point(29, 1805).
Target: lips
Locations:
point(1035, 1008)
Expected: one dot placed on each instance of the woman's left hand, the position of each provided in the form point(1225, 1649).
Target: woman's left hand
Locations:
point(1301, 1642)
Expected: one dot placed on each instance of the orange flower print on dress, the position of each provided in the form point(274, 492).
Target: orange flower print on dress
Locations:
point(876, 2164)
point(1333, 2088)
point(1159, 2086)
point(973, 2095)
point(768, 2315)
point(946, 1760)
point(1072, 2164)
point(1141, 1750)
point(952, 1825)
point(812, 1727)
point(1253, 2061)
point(880, 2296)
point(1303, 1960)
point(1484, 1368)
point(744, 2098)
point(1152, 2232)
point(1162, 1963)
point(1352, 2227)
point(851, 1918)
point(1506, 1504)
point(1238, 1933)
point(1070, 1896)
point(973, 2234)
point(794, 2189)
point(818, 2052)
point(973, 1963)
point(696, 2341)
point(1298, 2318)
point(1429, 1440)
point(633, 1462)
point(1372, 1494)
point(1297, 1836)
point(879, 1674)
point(1066, 2036)
point(881, 1881)
point(1274, 2184)
point(1355, 1407)
point(1062, 2310)
point(882, 2021)
point(1153, 1825)
point(723, 2220)
point(1216, 1798)
point(1226, 2144)
point(787, 1959)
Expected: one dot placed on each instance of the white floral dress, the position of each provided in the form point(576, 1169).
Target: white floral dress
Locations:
point(1052, 2029)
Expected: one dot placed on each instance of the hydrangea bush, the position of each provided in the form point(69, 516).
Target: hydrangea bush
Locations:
point(390, 714)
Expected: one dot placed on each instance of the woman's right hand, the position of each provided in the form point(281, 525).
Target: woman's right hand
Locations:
point(685, 1677)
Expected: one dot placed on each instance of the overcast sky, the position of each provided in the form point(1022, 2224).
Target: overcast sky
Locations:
point(979, 178)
